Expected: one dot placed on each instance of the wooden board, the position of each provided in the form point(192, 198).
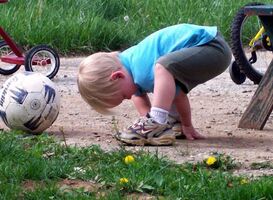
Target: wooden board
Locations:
point(261, 104)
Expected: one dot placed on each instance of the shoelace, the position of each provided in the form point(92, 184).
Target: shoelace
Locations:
point(140, 121)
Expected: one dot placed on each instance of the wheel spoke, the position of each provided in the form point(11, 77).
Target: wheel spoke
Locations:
point(6, 68)
point(42, 59)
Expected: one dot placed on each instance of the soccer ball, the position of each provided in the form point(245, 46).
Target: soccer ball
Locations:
point(30, 102)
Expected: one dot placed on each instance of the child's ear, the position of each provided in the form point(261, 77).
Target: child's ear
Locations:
point(117, 74)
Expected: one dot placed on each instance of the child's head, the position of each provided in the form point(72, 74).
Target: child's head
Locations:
point(94, 80)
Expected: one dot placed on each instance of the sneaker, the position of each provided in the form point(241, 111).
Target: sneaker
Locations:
point(176, 127)
point(145, 131)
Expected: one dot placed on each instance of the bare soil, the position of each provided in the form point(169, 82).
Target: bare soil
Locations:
point(217, 107)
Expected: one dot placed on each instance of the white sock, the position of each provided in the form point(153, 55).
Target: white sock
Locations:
point(159, 115)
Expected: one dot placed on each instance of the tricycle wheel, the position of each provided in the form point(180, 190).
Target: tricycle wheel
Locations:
point(42, 59)
point(6, 68)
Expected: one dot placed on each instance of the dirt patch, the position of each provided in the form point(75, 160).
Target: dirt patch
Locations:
point(217, 107)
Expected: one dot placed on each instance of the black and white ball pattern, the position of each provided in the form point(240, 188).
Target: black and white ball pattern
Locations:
point(29, 101)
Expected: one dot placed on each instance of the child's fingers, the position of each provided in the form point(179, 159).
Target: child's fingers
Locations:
point(188, 136)
point(197, 135)
point(191, 133)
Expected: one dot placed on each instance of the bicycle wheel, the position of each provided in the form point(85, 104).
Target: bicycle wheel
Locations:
point(235, 74)
point(252, 60)
point(42, 59)
point(6, 68)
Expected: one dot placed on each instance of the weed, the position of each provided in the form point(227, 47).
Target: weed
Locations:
point(262, 165)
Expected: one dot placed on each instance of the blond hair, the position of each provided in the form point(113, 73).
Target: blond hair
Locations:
point(94, 80)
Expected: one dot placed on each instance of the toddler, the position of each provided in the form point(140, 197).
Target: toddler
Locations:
point(168, 63)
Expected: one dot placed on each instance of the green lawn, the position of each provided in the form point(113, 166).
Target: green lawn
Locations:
point(38, 167)
point(83, 26)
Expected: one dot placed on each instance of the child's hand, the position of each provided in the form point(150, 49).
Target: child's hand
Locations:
point(191, 133)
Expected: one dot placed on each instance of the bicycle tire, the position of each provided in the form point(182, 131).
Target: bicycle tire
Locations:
point(235, 74)
point(3, 51)
point(45, 52)
point(237, 46)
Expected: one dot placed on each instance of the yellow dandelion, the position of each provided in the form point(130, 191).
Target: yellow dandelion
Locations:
point(211, 160)
point(244, 181)
point(129, 159)
point(123, 180)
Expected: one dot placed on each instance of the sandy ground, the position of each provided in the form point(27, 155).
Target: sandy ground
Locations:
point(217, 107)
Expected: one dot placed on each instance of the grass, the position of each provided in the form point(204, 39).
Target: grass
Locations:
point(80, 27)
point(39, 167)
point(262, 165)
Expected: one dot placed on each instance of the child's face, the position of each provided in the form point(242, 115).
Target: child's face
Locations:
point(117, 99)
point(127, 89)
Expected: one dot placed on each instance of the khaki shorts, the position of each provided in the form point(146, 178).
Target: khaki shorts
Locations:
point(195, 65)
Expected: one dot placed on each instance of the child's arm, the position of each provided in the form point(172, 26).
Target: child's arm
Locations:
point(183, 107)
point(142, 104)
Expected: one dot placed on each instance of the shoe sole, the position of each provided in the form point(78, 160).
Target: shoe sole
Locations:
point(178, 133)
point(165, 140)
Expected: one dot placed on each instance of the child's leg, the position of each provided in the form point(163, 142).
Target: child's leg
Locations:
point(174, 113)
point(164, 88)
point(175, 122)
point(164, 91)
point(191, 67)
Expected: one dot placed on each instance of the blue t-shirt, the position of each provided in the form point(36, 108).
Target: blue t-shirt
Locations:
point(139, 60)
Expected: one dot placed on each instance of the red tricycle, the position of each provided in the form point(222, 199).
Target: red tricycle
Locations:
point(41, 58)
